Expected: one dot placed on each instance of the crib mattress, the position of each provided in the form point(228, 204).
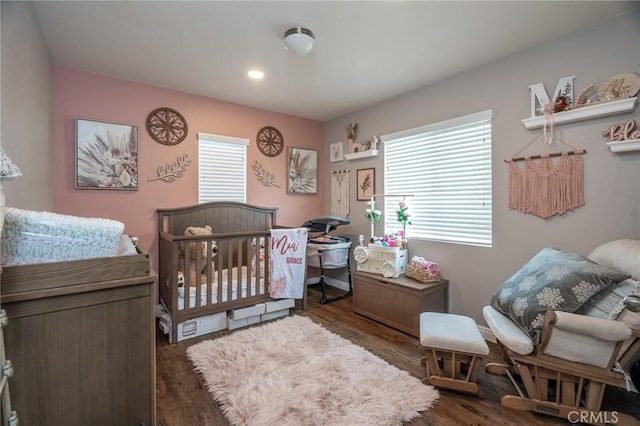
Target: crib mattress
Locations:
point(31, 237)
point(225, 293)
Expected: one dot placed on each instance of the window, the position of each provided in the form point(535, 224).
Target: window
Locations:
point(447, 168)
point(222, 166)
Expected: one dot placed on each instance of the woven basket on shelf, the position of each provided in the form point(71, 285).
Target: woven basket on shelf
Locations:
point(421, 274)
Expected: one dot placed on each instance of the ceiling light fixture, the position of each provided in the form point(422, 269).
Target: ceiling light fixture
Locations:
point(299, 41)
point(256, 74)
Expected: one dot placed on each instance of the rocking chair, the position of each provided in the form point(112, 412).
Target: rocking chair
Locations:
point(578, 355)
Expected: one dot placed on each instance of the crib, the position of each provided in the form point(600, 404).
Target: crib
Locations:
point(239, 266)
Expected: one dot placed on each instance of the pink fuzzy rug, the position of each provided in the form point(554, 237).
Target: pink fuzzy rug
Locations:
point(295, 372)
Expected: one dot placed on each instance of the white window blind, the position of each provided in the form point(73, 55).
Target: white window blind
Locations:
point(222, 167)
point(447, 168)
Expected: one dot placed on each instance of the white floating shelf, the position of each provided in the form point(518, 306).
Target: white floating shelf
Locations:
point(585, 113)
point(362, 154)
point(624, 146)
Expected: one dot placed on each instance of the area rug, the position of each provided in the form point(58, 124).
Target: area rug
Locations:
point(295, 372)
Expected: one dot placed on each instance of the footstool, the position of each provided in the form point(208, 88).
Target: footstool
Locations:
point(455, 350)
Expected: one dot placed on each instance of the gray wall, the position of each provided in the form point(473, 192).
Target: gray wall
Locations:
point(27, 107)
point(612, 181)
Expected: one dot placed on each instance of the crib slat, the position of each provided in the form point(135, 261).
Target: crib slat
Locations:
point(568, 393)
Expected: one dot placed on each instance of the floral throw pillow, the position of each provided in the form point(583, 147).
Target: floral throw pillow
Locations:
point(552, 279)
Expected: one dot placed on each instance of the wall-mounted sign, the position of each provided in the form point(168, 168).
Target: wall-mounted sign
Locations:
point(622, 131)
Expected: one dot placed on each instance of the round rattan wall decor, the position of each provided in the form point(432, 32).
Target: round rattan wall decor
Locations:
point(270, 141)
point(167, 126)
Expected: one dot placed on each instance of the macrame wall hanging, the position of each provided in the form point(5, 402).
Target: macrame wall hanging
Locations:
point(340, 193)
point(544, 188)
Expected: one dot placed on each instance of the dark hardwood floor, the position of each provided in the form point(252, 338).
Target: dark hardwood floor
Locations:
point(183, 400)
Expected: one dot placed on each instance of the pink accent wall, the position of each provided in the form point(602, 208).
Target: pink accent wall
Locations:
point(83, 95)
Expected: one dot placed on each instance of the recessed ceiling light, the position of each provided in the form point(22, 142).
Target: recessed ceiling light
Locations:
point(256, 74)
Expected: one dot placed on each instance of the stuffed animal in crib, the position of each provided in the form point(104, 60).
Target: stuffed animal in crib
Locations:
point(259, 251)
point(193, 253)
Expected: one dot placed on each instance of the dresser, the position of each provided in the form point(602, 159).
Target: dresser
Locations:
point(398, 302)
point(81, 339)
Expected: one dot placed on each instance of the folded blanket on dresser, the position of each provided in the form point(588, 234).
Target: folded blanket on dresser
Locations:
point(42, 237)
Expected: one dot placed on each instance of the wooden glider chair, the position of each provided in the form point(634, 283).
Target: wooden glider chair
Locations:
point(578, 354)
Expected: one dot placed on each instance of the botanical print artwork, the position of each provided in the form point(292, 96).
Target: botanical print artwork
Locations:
point(366, 184)
point(336, 152)
point(106, 155)
point(303, 171)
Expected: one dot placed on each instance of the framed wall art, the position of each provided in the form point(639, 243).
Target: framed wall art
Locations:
point(106, 155)
point(365, 184)
point(335, 153)
point(303, 171)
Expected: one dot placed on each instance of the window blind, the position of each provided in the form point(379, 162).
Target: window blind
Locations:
point(222, 166)
point(447, 168)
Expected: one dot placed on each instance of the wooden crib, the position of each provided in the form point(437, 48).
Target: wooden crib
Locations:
point(237, 277)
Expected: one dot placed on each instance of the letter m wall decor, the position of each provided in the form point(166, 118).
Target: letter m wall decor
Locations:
point(540, 97)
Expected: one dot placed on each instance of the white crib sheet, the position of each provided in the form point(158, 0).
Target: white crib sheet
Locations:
point(225, 293)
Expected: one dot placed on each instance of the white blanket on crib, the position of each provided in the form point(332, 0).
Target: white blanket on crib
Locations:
point(288, 253)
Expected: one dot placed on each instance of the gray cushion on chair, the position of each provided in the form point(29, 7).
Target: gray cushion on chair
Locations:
point(551, 280)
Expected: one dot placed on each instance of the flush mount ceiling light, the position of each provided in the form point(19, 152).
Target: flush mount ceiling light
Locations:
point(299, 40)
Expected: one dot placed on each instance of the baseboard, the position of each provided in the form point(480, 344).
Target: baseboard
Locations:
point(342, 285)
point(487, 334)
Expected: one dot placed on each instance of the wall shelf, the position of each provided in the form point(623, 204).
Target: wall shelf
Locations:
point(624, 146)
point(362, 154)
point(584, 113)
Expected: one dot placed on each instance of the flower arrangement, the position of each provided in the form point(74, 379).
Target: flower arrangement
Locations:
point(403, 216)
point(374, 215)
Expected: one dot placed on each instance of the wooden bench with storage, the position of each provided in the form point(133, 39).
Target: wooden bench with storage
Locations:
point(398, 302)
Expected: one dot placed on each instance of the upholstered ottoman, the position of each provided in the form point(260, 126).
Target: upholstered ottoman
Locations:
point(455, 350)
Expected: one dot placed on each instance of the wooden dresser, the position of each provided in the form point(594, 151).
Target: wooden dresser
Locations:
point(81, 341)
point(398, 302)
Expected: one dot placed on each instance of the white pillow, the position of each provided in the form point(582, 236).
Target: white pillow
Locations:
point(621, 255)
